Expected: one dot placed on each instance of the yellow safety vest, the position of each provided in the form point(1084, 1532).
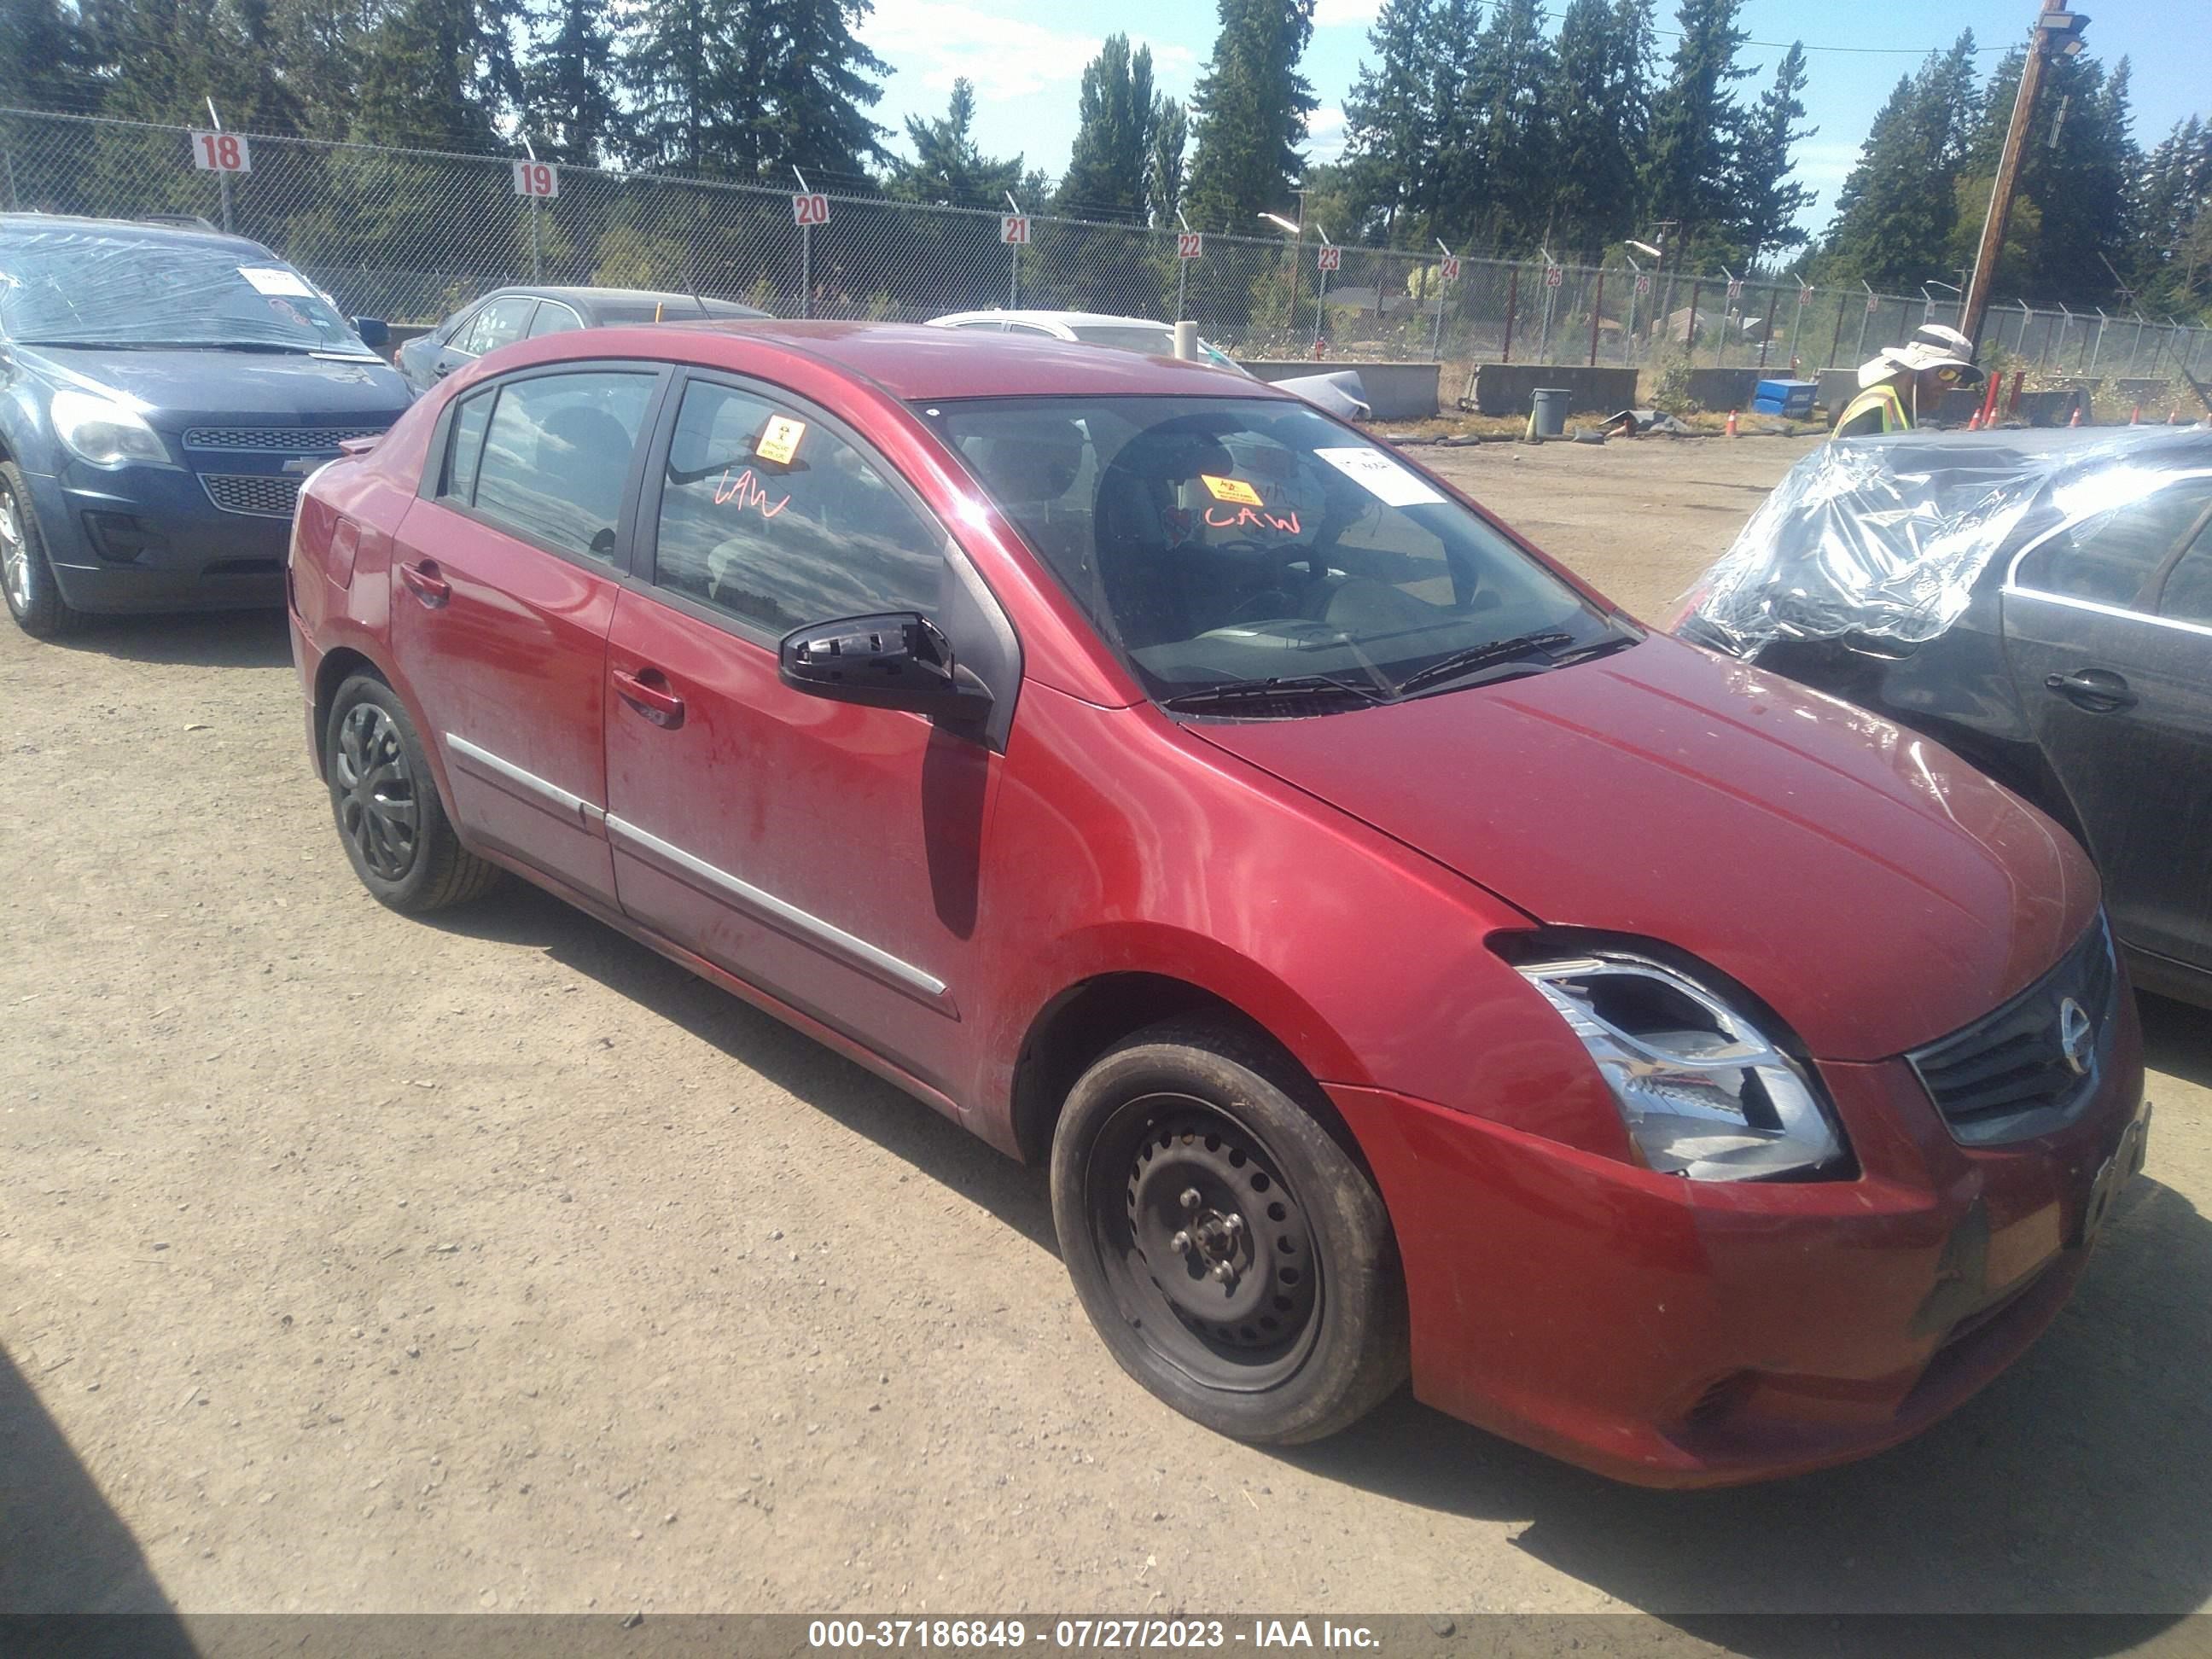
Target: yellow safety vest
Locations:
point(1881, 399)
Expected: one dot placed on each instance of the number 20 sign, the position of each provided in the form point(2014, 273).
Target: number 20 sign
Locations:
point(809, 210)
point(222, 152)
point(537, 179)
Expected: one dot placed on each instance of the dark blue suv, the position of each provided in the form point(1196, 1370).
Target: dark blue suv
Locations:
point(163, 390)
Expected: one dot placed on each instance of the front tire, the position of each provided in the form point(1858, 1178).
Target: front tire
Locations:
point(393, 826)
point(1235, 1257)
point(26, 576)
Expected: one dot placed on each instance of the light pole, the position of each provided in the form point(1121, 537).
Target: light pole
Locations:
point(2056, 33)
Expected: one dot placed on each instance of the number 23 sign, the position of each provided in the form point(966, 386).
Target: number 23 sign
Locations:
point(222, 152)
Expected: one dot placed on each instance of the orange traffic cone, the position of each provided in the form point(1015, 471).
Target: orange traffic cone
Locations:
point(1974, 422)
point(2076, 421)
point(2174, 418)
point(2135, 415)
point(1731, 423)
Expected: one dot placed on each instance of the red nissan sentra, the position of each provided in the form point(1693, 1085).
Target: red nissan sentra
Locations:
point(1404, 962)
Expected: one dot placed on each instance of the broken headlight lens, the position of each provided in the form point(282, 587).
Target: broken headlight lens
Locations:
point(1704, 1093)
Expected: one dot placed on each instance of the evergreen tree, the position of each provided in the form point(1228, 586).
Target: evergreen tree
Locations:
point(1896, 214)
point(1390, 125)
point(817, 74)
point(948, 169)
point(1768, 201)
point(1252, 104)
point(1511, 88)
point(567, 80)
point(1105, 177)
point(1164, 164)
point(1597, 102)
point(439, 74)
point(2173, 264)
point(1453, 197)
point(1696, 124)
point(695, 102)
point(44, 56)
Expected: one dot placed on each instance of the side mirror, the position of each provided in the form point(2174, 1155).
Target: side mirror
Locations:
point(896, 660)
point(374, 333)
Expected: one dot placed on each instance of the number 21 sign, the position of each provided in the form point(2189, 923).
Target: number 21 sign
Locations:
point(222, 152)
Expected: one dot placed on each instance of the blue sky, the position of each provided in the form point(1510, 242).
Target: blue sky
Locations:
point(1027, 61)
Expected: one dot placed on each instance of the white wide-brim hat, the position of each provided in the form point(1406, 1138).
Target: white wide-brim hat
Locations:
point(1932, 346)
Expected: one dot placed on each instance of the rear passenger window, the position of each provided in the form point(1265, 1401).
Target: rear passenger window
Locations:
point(466, 448)
point(554, 318)
point(557, 452)
point(498, 324)
point(770, 516)
point(2189, 586)
point(2108, 557)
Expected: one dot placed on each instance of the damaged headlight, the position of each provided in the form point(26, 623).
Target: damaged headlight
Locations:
point(1704, 1093)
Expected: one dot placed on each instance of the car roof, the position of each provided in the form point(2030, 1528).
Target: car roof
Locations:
point(588, 298)
point(1065, 318)
point(15, 225)
point(912, 360)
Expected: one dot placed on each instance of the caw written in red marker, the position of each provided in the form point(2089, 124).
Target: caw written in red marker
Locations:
point(1246, 518)
point(745, 491)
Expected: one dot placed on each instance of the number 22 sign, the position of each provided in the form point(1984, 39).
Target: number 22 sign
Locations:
point(222, 152)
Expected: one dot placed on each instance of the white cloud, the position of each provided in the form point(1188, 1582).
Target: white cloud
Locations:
point(937, 41)
point(1346, 14)
point(1824, 164)
point(1324, 133)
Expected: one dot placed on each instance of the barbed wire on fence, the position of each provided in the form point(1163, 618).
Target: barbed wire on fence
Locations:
point(410, 235)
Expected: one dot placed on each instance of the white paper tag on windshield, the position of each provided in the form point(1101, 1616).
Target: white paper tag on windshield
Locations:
point(1381, 477)
point(268, 279)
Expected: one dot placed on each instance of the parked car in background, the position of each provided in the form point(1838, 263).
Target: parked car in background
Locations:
point(1168, 783)
point(506, 314)
point(162, 386)
point(1145, 334)
point(2039, 602)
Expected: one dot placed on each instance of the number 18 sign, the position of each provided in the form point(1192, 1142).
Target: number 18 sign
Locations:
point(222, 152)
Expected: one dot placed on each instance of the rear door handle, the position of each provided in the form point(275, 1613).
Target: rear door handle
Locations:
point(2100, 690)
point(424, 582)
point(647, 691)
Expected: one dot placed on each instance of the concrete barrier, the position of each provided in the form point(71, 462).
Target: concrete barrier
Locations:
point(1395, 392)
point(1723, 389)
point(1507, 388)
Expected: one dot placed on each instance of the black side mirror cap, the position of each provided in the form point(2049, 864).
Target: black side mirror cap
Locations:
point(374, 332)
point(895, 659)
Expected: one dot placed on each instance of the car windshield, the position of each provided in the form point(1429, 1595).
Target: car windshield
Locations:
point(76, 287)
point(1150, 339)
point(1255, 545)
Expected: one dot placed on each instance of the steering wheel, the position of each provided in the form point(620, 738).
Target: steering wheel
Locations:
point(1279, 595)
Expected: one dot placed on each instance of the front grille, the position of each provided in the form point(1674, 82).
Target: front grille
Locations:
point(286, 440)
point(2006, 1076)
point(262, 495)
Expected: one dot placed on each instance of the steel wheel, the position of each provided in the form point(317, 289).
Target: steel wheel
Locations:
point(1211, 1250)
point(378, 809)
point(15, 553)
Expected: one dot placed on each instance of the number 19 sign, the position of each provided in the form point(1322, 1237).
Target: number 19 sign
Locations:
point(222, 152)
point(537, 179)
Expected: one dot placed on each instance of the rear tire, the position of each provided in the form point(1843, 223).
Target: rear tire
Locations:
point(1272, 1309)
point(389, 817)
point(27, 575)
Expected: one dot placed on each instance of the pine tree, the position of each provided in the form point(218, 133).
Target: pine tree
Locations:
point(817, 74)
point(1513, 78)
point(1696, 123)
point(1454, 195)
point(1389, 125)
point(1768, 201)
point(439, 74)
point(2172, 261)
point(1164, 164)
point(1898, 213)
point(695, 102)
point(948, 169)
point(1251, 105)
point(568, 100)
point(44, 56)
point(1105, 176)
point(1597, 100)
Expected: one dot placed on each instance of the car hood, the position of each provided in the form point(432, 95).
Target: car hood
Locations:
point(1875, 890)
point(177, 389)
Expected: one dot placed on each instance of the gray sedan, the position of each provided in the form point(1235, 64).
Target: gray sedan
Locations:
point(507, 314)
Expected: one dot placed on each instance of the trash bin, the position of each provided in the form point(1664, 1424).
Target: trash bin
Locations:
point(1550, 413)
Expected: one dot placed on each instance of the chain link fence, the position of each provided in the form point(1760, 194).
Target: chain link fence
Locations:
point(410, 235)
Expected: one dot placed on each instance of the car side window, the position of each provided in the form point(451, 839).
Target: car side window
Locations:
point(554, 318)
point(556, 453)
point(2109, 557)
point(767, 515)
point(498, 324)
point(1030, 328)
point(2188, 596)
point(464, 447)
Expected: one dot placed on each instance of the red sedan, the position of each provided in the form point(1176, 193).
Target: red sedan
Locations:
point(1405, 963)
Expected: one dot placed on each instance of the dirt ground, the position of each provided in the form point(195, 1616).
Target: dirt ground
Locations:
point(348, 1262)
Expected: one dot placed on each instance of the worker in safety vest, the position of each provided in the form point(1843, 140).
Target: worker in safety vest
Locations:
point(1901, 383)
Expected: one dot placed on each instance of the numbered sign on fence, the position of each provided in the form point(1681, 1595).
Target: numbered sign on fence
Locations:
point(1554, 274)
point(1190, 243)
point(1644, 285)
point(1873, 301)
point(1014, 230)
point(537, 179)
point(810, 209)
point(1448, 270)
point(1330, 259)
point(1736, 288)
point(222, 152)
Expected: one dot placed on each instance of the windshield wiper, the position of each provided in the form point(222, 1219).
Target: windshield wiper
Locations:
point(1482, 656)
point(1254, 695)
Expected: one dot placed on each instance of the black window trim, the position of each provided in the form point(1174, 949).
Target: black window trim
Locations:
point(619, 563)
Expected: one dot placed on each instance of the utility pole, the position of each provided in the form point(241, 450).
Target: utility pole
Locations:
point(2057, 33)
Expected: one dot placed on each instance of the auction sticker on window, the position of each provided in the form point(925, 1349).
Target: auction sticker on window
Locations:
point(779, 439)
point(268, 279)
point(1231, 489)
point(1379, 476)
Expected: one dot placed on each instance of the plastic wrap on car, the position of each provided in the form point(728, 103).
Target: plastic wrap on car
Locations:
point(1886, 538)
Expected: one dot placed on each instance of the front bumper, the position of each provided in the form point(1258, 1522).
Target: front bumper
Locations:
point(1679, 1333)
point(184, 554)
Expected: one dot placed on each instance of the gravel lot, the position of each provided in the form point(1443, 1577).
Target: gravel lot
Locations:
point(350, 1262)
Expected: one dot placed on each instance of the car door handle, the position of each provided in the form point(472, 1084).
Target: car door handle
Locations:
point(647, 691)
point(424, 582)
point(2100, 690)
